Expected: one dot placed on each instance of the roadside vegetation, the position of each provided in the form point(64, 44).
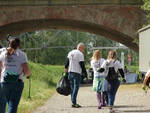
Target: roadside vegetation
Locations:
point(43, 83)
point(146, 8)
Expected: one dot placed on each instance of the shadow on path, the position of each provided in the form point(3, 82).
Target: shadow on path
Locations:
point(85, 85)
point(139, 111)
point(126, 106)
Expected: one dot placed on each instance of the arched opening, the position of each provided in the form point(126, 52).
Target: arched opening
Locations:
point(32, 25)
point(19, 28)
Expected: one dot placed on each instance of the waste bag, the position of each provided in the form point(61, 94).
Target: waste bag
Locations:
point(63, 86)
point(131, 77)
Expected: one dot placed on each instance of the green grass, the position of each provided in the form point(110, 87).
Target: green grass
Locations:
point(43, 83)
point(134, 69)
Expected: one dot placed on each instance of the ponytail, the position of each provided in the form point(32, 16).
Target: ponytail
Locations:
point(14, 43)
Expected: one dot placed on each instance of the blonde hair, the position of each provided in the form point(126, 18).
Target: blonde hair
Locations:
point(111, 55)
point(96, 55)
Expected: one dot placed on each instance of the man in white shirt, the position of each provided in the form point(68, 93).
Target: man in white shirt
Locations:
point(75, 67)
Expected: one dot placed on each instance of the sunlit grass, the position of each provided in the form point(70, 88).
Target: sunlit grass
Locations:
point(43, 83)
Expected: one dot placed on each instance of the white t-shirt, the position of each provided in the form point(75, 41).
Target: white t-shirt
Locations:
point(95, 65)
point(2, 49)
point(75, 56)
point(111, 63)
point(13, 63)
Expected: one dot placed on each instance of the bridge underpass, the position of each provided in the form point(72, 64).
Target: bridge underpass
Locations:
point(117, 20)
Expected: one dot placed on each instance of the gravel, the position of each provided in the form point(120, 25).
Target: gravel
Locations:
point(129, 99)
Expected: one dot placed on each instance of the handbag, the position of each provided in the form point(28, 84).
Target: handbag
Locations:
point(63, 85)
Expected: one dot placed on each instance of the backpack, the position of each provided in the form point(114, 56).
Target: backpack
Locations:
point(112, 74)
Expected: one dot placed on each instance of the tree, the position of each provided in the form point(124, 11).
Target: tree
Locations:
point(47, 40)
point(146, 7)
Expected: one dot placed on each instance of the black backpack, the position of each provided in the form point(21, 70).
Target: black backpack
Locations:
point(112, 74)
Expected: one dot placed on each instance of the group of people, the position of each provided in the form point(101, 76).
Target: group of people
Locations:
point(105, 82)
point(13, 67)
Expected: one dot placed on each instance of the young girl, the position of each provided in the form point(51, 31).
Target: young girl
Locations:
point(98, 82)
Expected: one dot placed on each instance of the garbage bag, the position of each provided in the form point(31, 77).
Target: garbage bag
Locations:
point(63, 86)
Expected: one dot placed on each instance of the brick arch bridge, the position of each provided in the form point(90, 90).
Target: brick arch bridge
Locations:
point(116, 22)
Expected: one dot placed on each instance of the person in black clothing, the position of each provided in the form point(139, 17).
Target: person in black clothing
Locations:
point(75, 67)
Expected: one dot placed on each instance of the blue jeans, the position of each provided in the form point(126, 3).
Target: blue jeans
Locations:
point(2, 100)
point(75, 79)
point(112, 90)
point(11, 94)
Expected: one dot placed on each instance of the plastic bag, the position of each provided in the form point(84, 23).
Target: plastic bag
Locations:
point(63, 86)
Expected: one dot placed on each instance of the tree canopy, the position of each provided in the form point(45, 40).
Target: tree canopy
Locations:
point(146, 7)
point(52, 46)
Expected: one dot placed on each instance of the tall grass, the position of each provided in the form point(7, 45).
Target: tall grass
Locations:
point(43, 83)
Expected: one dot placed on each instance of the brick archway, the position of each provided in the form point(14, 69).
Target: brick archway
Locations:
point(119, 23)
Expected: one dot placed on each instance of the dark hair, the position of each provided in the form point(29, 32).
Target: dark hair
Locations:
point(14, 43)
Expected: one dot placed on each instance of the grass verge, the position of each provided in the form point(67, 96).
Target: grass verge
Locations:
point(43, 83)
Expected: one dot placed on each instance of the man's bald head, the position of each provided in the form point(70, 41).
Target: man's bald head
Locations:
point(81, 47)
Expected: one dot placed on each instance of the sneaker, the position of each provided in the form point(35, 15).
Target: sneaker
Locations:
point(99, 107)
point(110, 107)
point(76, 106)
point(103, 105)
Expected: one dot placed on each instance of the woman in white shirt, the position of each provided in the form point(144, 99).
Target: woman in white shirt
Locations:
point(13, 66)
point(98, 82)
point(112, 66)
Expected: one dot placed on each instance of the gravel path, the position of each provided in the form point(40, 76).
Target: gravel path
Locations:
point(129, 99)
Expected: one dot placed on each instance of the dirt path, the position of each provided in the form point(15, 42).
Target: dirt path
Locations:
point(129, 99)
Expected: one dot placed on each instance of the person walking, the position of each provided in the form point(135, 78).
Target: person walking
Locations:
point(13, 66)
point(112, 66)
point(99, 82)
point(75, 67)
